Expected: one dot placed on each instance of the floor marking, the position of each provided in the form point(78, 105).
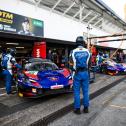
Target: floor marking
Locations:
point(117, 106)
point(109, 99)
point(4, 94)
point(5, 87)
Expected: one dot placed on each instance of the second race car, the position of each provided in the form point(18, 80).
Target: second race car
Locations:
point(112, 68)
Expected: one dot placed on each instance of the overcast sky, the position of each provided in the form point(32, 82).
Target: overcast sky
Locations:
point(117, 6)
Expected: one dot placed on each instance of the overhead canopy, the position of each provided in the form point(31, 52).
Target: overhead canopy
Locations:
point(93, 12)
point(114, 41)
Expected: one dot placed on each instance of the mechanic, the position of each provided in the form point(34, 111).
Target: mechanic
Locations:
point(0, 64)
point(105, 55)
point(79, 63)
point(99, 61)
point(7, 63)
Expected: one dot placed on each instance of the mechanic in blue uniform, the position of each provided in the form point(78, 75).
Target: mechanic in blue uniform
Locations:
point(79, 63)
point(7, 63)
point(0, 64)
point(99, 58)
point(99, 61)
point(105, 55)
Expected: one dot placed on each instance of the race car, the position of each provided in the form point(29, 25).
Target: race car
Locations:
point(112, 68)
point(42, 77)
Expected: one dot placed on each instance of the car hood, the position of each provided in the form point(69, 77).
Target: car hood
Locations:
point(49, 73)
point(118, 67)
point(48, 78)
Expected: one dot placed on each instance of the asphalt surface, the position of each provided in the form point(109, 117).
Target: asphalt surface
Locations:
point(108, 109)
point(2, 84)
point(17, 111)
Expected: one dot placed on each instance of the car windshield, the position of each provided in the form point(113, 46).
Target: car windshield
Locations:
point(111, 62)
point(41, 66)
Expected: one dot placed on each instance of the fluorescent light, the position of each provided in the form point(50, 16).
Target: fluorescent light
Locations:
point(19, 47)
point(12, 43)
point(0, 46)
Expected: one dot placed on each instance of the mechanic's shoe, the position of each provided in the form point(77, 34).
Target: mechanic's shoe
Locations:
point(85, 110)
point(77, 111)
point(8, 93)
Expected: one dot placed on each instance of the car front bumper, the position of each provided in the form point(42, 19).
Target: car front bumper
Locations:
point(32, 92)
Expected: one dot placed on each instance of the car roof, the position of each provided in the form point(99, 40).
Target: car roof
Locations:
point(38, 60)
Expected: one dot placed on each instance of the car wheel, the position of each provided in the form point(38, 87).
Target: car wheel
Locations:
point(69, 88)
point(104, 69)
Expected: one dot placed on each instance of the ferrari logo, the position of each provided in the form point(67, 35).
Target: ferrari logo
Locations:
point(53, 78)
point(37, 52)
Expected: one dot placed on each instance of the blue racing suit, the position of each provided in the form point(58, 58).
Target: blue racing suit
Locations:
point(99, 60)
point(7, 63)
point(80, 58)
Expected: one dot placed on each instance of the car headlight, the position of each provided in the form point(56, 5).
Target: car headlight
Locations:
point(23, 78)
point(70, 77)
point(26, 80)
point(31, 80)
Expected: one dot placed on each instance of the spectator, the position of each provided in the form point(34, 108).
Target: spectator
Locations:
point(49, 55)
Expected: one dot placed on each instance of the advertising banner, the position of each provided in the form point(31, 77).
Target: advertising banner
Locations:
point(17, 24)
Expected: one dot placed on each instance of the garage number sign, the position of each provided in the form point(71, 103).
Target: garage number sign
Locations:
point(17, 24)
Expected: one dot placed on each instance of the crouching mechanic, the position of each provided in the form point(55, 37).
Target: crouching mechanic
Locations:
point(79, 63)
point(8, 61)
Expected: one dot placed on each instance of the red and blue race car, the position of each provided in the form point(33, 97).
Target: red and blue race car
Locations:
point(41, 77)
point(112, 68)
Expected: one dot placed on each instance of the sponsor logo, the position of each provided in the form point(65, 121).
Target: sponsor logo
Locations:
point(53, 78)
point(38, 23)
point(37, 52)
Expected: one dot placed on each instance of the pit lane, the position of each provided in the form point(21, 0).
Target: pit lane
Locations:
point(108, 109)
point(21, 111)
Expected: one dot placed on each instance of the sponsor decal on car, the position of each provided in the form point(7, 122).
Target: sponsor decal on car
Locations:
point(53, 78)
point(56, 86)
point(32, 72)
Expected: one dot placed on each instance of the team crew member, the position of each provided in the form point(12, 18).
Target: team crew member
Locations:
point(99, 59)
point(7, 63)
point(79, 63)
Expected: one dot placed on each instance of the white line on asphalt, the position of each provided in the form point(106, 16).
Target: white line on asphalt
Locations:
point(117, 106)
point(109, 99)
point(5, 88)
point(4, 94)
